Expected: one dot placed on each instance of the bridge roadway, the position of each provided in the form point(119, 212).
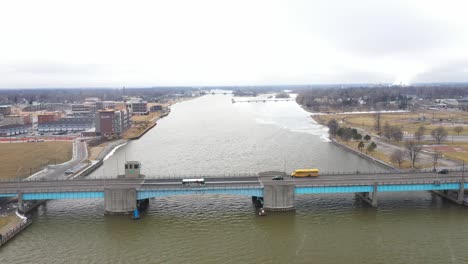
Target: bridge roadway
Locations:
point(87, 185)
point(34, 186)
point(381, 178)
point(277, 194)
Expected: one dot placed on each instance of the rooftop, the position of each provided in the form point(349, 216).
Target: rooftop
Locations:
point(12, 126)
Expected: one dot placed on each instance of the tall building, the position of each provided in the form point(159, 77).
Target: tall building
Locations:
point(138, 106)
point(112, 122)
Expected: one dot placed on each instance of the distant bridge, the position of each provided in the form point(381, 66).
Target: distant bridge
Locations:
point(121, 195)
point(262, 100)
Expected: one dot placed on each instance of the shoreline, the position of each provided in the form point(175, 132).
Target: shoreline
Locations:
point(363, 155)
point(14, 224)
point(349, 149)
point(384, 156)
point(107, 152)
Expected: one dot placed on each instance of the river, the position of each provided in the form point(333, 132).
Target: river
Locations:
point(210, 135)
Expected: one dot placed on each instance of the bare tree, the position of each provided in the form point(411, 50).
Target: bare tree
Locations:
point(419, 134)
point(377, 117)
point(387, 131)
point(439, 134)
point(398, 156)
point(361, 145)
point(413, 151)
point(396, 133)
point(458, 129)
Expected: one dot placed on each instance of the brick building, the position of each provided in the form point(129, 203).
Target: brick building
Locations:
point(48, 117)
point(112, 122)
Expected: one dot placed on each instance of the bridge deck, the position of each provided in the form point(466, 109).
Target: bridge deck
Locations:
point(151, 187)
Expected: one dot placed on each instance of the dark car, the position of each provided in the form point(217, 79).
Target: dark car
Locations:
point(278, 178)
point(443, 171)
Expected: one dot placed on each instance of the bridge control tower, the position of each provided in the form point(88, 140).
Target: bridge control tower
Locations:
point(132, 169)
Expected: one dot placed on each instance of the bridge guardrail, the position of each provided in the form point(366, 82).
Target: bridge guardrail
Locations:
point(242, 175)
point(101, 187)
point(431, 181)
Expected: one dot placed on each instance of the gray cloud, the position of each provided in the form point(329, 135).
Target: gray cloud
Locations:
point(456, 71)
point(376, 28)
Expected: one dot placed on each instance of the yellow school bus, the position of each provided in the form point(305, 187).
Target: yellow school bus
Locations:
point(305, 173)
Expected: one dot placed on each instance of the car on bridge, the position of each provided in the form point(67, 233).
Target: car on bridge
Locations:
point(193, 182)
point(278, 178)
point(443, 171)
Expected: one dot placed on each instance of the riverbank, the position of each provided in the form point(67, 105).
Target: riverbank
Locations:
point(364, 155)
point(11, 224)
point(13, 228)
point(142, 124)
point(364, 124)
point(8, 221)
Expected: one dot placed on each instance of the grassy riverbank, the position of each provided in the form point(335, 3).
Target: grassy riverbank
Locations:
point(142, 123)
point(22, 159)
point(8, 222)
point(408, 122)
point(451, 152)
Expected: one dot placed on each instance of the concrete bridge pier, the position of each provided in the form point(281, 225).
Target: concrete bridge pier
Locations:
point(257, 201)
point(453, 196)
point(461, 192)
point(21, 207)
point(278, 196)
point(369, 197)
point(143, 204)
point(120, 200)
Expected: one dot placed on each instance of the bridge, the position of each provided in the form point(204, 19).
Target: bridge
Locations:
point(122, 195)
point(262, 100)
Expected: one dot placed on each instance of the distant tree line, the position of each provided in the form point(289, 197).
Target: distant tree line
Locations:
point(381, 97)
point(61, 95)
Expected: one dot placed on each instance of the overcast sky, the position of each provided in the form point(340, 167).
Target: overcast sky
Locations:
point(82, 43)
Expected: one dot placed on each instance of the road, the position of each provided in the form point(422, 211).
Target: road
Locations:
point(222, 182)
point(138, 183)
point(371, 178)
point(54, 172)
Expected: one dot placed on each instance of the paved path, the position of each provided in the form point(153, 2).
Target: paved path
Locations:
point(53, 172)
